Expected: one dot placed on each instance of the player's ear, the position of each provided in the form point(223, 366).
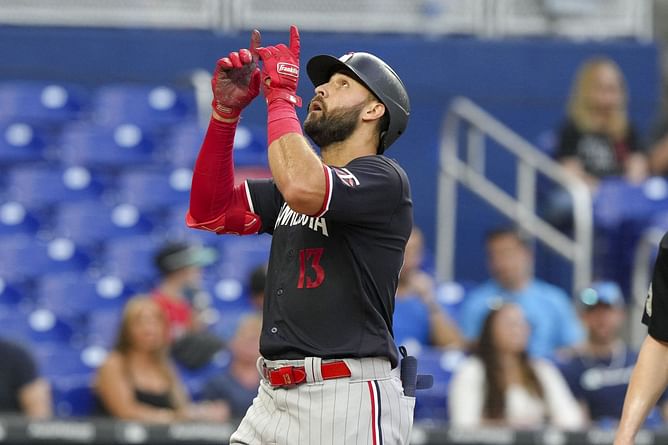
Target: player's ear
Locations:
point(373, 111)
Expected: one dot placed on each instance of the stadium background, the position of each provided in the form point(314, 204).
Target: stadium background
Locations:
point(107, 101)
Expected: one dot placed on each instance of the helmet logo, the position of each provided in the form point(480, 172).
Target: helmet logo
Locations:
point(288, 69)
point(346, 57)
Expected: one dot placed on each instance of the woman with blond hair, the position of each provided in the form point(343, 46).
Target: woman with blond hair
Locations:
point(597, 139)
point(137, 380)
point(500, 385)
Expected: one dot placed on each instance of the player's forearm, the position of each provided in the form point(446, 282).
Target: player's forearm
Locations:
point(648, 381)
point(297, 170)
point(213, 176)
point(298, 173)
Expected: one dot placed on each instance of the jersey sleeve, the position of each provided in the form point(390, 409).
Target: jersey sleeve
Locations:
point(265, 200)
point(655, 315)
point(368, 190)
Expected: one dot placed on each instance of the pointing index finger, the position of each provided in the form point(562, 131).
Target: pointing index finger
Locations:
point(255, 43)
point(295, 43)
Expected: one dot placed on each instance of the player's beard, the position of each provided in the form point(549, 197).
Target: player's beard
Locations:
point(334, 126)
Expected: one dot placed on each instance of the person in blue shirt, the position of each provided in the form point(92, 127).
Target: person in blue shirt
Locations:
point(598, 372)
point(237, 386)
point(549, 311)
point(419, 320)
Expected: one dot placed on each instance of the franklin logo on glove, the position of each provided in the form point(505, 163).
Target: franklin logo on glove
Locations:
point(288, 69)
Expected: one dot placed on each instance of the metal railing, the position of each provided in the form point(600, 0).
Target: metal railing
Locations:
point(488, 18)
point(470, 173)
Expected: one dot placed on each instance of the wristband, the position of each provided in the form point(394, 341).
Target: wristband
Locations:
point(224, 111)
point(281, 120)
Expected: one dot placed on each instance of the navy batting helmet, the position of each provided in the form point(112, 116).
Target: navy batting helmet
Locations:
point(378, 77)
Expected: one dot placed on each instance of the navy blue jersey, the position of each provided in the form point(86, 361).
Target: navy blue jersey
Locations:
point(601, 383)
point(332, 277)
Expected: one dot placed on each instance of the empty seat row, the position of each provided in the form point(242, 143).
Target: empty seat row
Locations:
point(90, 145)
point(109, 105)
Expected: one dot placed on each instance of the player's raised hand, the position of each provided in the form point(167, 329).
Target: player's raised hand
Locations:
point(236, 80)
point(280, 70)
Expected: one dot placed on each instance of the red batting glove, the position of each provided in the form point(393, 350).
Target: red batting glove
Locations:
point(280, 71)
point(236, 80)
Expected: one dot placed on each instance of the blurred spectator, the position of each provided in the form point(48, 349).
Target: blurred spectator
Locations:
point(238, 385)
point(598, 372)
point(417, 314)
point(181, 297)
point(137, 381)
point(180, 266)
point(597, 139)
point(500, 385)
point(552, 318)
point(658, 150)
point(22, 390)
point(256, 285)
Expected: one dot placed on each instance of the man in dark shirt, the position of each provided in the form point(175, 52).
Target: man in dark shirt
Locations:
point(21, 389)
point(650, 375)
point(340, 225)
point(598, 371)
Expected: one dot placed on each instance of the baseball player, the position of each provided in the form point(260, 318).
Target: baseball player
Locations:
point(650, 375)
point(339, 222)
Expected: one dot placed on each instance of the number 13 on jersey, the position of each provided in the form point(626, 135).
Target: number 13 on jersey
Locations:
point(309, 265)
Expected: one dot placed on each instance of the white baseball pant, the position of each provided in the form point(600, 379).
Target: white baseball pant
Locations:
point(367, 408)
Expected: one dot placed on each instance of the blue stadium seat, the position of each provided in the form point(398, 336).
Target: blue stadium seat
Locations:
point(622, 211)
point(155, 190)
point(73, 396)
point(21, 141)
point(94, 146)
point(25, 257)
point(36, 187)
point(12, 295)
point(143, 105)
point(431, 404)
point(16, 219)
point(183, 142)
point(131, 259)
point(103, 326)
point(72, 296)
point(228, 290)
point(63, 360)
point(14, 326)
point(174, 227)
point(229, 297)
point(89, 223)
point(660, 220)
point(71, 372)
point(38, 326)
point(250, 146)
point(239, 255)
point(40, 101)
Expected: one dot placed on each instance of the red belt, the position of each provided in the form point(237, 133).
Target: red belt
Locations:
point(294, 375)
